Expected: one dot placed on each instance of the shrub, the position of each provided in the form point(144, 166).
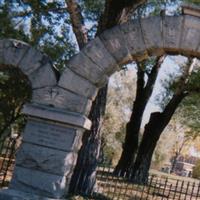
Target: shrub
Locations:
point(196, 170)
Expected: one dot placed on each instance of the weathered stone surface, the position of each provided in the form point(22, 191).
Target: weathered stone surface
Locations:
point(52, 135)
point(77, 84)
point(13, 51)
point(44, 96)
point(97, 52)
point(53, 114)
point(191, 34)
point(152, 34)
point(172, 30)
point(83, 66)
point(46, 159)
point(135, 42)
point(32, 60)
point(39, 183)
point(69, 101)
point(198, 51)
point(43, 77)
point(115, 42)
point(191, 9)
point(9, 194)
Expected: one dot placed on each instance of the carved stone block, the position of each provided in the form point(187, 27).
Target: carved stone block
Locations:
point(97, 52)
point(77, 84)
point(172, 30)
point(152, 34)
point(39, 183)
point(45, 159)
point(32, 60)
point(115, 43)
point(37, 77)
point(191, 34)
point(49, 134)
point(14, 51)
point(83, 66)
point(135, 41)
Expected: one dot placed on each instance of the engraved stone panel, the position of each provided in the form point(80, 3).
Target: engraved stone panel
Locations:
point(52, 135)
point(191, 34)
point(42, 77)
point(172, 30)
point(83, 66)
point(135, 42)
point(39, 183)
point(152, 33)
point(77, 84)
point(97, 52)
point(46, 159)
point(115, 42)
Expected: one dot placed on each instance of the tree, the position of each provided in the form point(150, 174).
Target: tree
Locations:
point(153, 130)
point(143, 93)
point(12, 99)
point(37, 22)
point(114, 13)
point(121, 91)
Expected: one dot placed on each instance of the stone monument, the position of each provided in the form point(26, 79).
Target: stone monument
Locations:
point(57, 113)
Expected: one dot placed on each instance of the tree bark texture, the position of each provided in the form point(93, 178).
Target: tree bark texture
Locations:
point(143, 93)
point(77, 21)
point(84, 176)
point(153, 130)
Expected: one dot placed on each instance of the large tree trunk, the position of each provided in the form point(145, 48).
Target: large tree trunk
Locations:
point(153, 130)
point(84, 175)
point(143, 93)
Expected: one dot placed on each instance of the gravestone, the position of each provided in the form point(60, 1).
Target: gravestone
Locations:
point(47, 156)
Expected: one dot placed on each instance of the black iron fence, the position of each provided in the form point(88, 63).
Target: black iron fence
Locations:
point(109, 186)
point(8, 147)
point(157, 187)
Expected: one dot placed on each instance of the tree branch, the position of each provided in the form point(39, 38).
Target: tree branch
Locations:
point(117, 12)
point(185, 77)
point(153, 75)
point(77, 22)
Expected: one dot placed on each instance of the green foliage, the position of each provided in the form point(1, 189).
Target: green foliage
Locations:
point(108, 153)
point(196, 170)
point(154, 7)
point(13, 93)
point(43, 24)
point(197, 2)
point(191, 113)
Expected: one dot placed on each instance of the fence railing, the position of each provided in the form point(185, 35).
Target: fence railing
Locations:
point(109, 186)
point(8, 147)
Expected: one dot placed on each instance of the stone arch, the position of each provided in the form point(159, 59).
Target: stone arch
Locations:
point(132, 41)
point(34, 64)
point(72, 95)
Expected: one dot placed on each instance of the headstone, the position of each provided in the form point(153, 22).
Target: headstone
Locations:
point(48, 153)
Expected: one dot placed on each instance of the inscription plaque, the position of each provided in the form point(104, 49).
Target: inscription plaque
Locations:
point(50, 135)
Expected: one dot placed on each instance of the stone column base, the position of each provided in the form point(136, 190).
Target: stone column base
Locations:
point(10, 194)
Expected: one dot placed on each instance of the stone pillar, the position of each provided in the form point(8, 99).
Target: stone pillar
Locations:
point(47, 156)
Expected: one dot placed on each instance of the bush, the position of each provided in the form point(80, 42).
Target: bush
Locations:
point(196, 170)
